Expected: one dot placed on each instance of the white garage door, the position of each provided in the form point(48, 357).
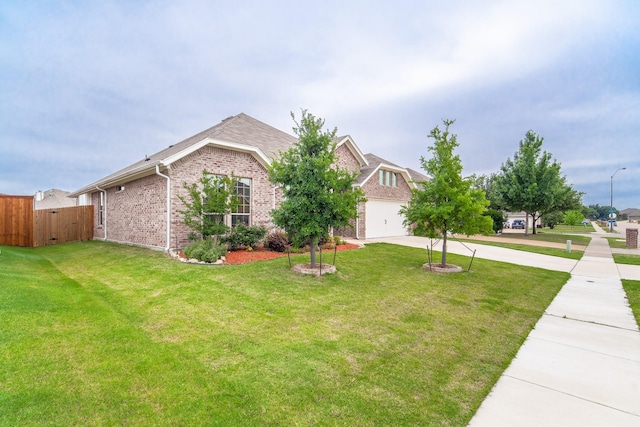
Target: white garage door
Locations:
point(383, 220)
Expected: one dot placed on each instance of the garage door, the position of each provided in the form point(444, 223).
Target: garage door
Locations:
point(383, 220)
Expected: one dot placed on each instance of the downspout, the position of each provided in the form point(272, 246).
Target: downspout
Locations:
point(166, 249)
point(104, 211)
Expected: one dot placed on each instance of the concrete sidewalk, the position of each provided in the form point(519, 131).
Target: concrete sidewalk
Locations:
point(580, 366)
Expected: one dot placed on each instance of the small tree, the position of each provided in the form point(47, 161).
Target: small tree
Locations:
point(573, 218)
point(447, 202)
point(552, 219)
point(210, 199)
point(317, 193)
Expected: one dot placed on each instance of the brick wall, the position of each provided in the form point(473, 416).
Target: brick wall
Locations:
point(346, 159)
point(135, 215)
point(374, 190)
point(219, 161)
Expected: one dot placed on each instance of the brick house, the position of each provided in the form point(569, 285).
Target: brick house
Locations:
point(139, 204)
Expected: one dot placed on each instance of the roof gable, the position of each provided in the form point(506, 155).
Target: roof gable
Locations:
point(375, 163)
point(239, 133)
point(349, 143)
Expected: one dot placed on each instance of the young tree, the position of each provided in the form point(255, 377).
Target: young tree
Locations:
point(210, 199)
point(532, 182)
point(447, 202)
point(573, 217)
point(317, 193)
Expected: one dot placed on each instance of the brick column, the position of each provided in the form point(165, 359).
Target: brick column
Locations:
point(632, 237)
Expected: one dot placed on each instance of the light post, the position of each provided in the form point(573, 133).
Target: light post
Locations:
point(611, 205)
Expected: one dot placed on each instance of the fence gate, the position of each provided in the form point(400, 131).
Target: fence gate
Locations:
point(61, 225)
point(16, 220)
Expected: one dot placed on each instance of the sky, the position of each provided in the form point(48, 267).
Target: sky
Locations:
point(87, 88)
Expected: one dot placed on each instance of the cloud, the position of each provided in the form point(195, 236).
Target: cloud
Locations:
point(90, 88)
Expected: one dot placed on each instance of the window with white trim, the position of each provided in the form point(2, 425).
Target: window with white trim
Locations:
point(100, 208)
point(242, 213)
point(387, 178)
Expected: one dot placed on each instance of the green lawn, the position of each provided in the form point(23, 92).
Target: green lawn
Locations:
point(632, 288)
point(563, 228)
point(544, 237)
point(102, 334)
point(619, 242)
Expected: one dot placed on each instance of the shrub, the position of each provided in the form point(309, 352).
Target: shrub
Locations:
point(242, 236)
point(497, 217)
point(277, 241)
point(205, 250)
point(552, 219)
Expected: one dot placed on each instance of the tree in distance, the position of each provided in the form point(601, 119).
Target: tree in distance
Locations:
point(532, 182)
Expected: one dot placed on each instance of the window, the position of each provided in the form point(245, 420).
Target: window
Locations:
point(214, 180)
point(387, 178)
point(100, 208)
point(242, 214)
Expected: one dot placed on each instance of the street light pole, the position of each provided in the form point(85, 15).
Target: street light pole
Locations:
point(611, 205)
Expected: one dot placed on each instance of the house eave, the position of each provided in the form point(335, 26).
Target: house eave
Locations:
point(140, 172)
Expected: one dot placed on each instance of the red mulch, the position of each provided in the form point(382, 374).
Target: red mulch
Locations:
point(261, 254)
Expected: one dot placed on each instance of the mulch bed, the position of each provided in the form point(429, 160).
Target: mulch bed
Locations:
point(261, 254)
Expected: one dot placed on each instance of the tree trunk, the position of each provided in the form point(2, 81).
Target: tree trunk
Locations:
point(312, 251)
point(444, 249)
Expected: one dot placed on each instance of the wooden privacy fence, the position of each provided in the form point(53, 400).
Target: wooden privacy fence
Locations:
point(21, 225)
point(61, 225)
point(16, 220)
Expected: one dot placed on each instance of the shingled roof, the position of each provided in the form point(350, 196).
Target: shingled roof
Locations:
point(375, 163)
point(240, 132)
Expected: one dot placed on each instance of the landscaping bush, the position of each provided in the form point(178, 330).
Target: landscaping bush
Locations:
point(498, 219)
point(205, 250)
point(338, 241)
point(277, 241)
point(242, 236)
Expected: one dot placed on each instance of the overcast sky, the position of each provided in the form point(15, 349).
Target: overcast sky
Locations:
point(87, 88)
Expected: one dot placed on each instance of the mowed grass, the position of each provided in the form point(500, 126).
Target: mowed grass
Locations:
point(570, 229)
point(632, 288)
point(102, 334)
point(528, 243)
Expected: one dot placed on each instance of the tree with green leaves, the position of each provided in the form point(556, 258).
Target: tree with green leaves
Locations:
point(532, 182)
point(208, 201)
point(318, 194)
point(446, 203)
point(573, 217)
point(488, 183)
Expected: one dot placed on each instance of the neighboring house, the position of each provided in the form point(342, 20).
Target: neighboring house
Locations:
point(54, 198)
point(523, 216)
point(139, 204)
point(633, 214)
